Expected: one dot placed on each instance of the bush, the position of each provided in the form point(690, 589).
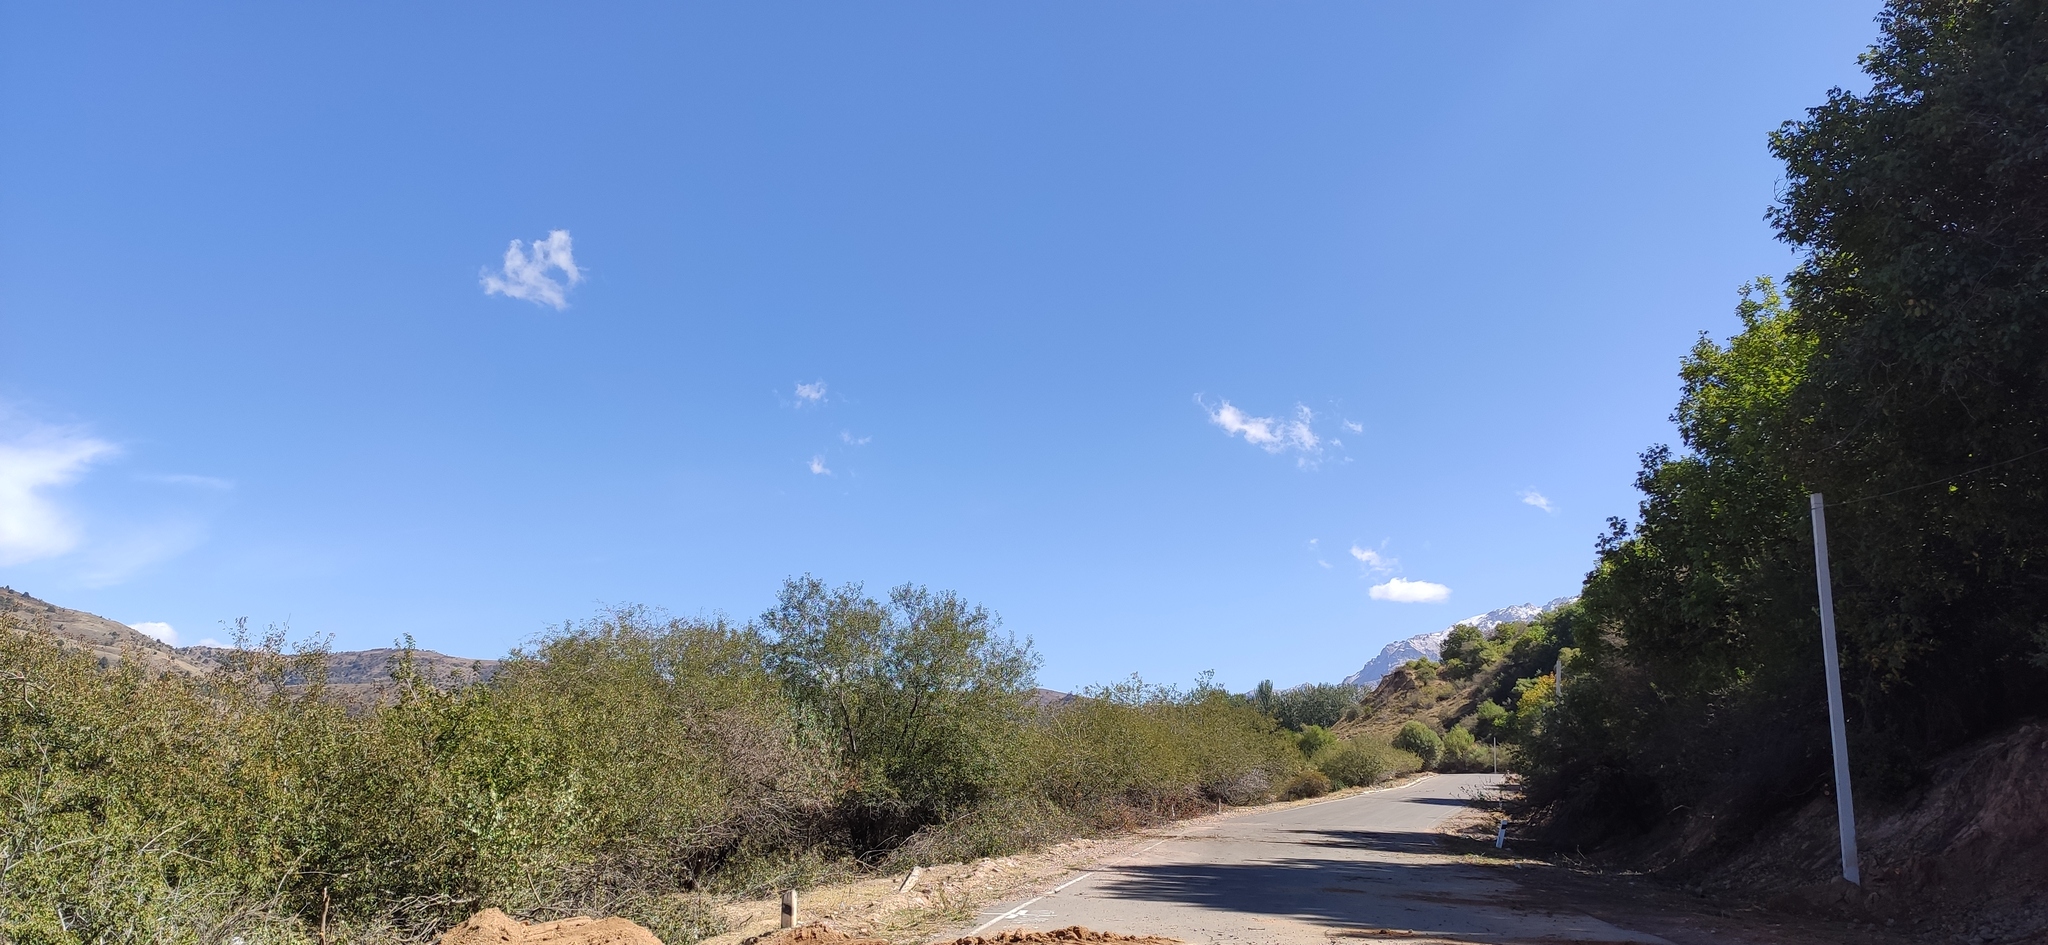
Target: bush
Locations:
point(1419, 740)
point(1313, 740)
point(1358, 762)
point(626, 766)
point(1462, 752)
point(1489, 718)
point(1309, 783)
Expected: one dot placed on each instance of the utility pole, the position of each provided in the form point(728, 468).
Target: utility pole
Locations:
point(1845, 804)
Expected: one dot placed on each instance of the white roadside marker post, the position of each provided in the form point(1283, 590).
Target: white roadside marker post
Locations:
point(789, 908)
point(1845, 804)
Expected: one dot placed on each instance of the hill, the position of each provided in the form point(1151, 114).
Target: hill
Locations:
point(350, 673)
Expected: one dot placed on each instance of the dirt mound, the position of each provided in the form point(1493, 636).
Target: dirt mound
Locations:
point(816, 933)
point(491, 927)
point(1967, 854)
point(1072, 933)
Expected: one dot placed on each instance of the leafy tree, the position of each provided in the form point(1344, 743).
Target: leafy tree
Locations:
point(1464, 652)
point(1321, 704)
point(1489, 716)
point(919, 695)
point(1419, 740)
point(1313, 739)
point(1904, 374)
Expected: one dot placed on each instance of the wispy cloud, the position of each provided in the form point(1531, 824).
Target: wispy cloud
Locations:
point(851, 440)
point(1374, 561)
point(1271, 434)
point(113, 559)
point(811, 393)
point(1354, 426)
point(32, 525)
point(1532, 497)
point(525, 274)
point(818, 467)
point(156, 630)
point(184, 479)
point(1403, 591)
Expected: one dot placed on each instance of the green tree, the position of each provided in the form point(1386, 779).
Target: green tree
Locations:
point(1313, 739)
point(920, 695)
point(1464, 652)
point(1904, 374)
point(1421, 741)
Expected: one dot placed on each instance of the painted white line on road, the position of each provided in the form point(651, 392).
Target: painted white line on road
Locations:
point(1347, 797)
point(1010, 914)
point(1070, 882)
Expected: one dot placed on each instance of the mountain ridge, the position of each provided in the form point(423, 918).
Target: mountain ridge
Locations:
point(349, 672)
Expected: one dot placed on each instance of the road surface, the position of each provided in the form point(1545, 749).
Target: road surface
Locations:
point(1364, 868)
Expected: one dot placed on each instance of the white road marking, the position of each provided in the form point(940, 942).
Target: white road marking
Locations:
point(1007, 915)
point(1070, 882)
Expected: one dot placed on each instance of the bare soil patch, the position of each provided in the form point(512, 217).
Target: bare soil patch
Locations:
point(492, 927)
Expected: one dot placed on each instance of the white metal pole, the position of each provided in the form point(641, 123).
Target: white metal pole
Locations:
point(1845, 803)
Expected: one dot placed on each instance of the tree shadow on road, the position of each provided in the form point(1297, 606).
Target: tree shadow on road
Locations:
point(1364, 896)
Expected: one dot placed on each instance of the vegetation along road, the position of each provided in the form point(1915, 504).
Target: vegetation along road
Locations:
point(1365, 867)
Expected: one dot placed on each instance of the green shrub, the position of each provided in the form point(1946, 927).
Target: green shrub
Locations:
point(1313, 739)
point(1489, 718)
point(1462, 752)
point(1418, 739)
point(1360, 762)
point(1306, 784)
point(628, 765)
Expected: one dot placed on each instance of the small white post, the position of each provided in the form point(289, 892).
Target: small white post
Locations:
point(1845, 804)
point(789, 908)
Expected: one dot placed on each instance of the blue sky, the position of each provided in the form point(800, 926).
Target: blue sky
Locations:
point(1168, 331)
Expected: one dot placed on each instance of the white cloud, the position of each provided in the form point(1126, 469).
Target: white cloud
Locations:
point(1269, 433)
point(525, 275)
point(851, 440)
point(1532, 497)
point(31, 525)
point(1402, 591)
point(156, 630)
point(1373, 560)
point(818, 467)
point(811, 393)
point(1354, 426)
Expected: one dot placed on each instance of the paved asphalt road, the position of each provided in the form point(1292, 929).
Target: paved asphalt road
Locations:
point(1360, 869)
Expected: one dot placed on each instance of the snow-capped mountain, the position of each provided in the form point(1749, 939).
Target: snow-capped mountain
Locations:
point(1431, 644)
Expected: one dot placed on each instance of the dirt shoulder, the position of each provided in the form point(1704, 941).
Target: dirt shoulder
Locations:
point(1635, 901)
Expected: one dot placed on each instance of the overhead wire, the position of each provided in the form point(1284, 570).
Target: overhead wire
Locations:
point(1935, 482)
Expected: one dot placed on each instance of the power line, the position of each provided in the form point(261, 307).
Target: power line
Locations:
point(1948, 478)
